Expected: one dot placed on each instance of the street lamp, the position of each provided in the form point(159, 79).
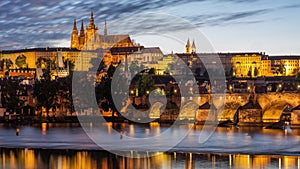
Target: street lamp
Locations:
point(230, 88)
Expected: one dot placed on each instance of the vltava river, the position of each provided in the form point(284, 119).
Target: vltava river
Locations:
point(68, 146)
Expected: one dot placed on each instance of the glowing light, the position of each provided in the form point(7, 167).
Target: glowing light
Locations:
point(44, 128)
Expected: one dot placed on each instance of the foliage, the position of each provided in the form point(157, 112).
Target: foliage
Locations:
point(21, 61)
point(10, 95)
point(45, 91)
point(9, 63)
point(43, 63)
point(134, 68)
point(144, 84)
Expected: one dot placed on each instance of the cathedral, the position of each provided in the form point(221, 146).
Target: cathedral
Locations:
point(90, 39)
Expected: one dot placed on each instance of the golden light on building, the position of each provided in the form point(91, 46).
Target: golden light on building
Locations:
point(249, 65)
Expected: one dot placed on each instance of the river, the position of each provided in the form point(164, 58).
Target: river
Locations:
point(69, 146)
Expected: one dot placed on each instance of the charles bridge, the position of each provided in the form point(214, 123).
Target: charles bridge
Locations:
point(243, 108)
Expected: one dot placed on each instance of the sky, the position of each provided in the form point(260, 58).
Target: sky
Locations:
point(270, 26)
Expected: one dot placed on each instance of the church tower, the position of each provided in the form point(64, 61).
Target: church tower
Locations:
point(81, 36)
point(74, 37)
point(188, 47)
point(193, 47)
point(92, 36)
point(105, 28)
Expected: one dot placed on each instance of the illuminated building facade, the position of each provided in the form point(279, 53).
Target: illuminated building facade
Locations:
point(90, 39)
point(285, 65)
point(250, 65)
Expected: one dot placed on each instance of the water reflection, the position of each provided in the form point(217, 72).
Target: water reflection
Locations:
point(39, 158)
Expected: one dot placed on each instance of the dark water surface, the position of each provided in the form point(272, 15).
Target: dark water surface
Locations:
point(79, 159)
point(68, 146)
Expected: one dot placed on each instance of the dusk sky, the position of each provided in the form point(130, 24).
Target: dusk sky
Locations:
point(229, 25)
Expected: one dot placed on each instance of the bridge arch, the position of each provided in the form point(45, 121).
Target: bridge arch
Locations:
point(188, 111)
point(274, 112)
point(156, 110)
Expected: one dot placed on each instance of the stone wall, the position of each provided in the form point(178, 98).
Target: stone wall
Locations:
point(250, 117)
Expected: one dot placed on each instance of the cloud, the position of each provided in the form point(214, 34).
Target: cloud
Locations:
point(35, 23)
point(9, 44)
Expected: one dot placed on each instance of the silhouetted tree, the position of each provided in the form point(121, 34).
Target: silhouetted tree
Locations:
point(10, 95)
point(45, 92)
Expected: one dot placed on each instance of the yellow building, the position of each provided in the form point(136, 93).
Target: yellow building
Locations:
point(81, 59)
point(285, 65)
point(291, 66)
point(250, 65)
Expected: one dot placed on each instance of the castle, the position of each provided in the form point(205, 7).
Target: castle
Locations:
point(90, 39)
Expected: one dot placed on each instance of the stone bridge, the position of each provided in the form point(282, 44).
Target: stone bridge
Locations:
point(272, 104)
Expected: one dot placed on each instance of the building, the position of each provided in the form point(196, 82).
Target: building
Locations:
point(250, 65)
point(285, 65)
point(90, 39)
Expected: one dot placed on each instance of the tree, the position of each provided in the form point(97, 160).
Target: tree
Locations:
point(44, 63)
point(151, 71)
point(8, 62)
point(103, 93)
point(21, 61)
point(134, 68)
point(45, 92)
point(10, 95)
point(144, 84)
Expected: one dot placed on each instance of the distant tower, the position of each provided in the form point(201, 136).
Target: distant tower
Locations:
point(188, 47)
point(105, 28)
point(92, 36)
point(193, 47)
point(74, 37)
point(81, 36)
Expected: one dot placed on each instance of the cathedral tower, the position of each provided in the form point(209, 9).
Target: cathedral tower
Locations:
point(92, 38)
point(74, 37)
point(193, 47)
point(105, 28)
point(188, 47)
point(81, 36)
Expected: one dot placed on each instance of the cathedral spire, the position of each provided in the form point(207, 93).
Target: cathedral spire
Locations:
point(81, 36)
point(82, 29)
point(74, 36)
point(92, 20)
point(193, 47)
point(74, 26)
point(188, 47)
point(105, 28)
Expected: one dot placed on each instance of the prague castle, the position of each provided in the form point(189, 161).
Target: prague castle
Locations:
point(90, 39)
point(88, 43)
